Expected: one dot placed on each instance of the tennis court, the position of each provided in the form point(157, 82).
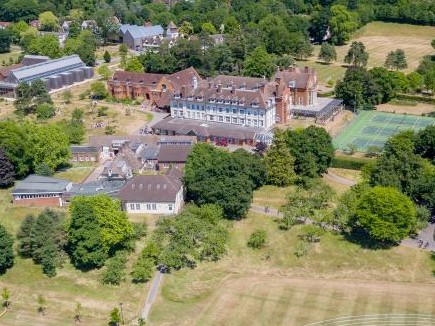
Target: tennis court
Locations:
point(372, 128)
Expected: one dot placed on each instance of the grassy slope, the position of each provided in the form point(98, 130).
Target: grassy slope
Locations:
point(379, 39)
point(25, 281)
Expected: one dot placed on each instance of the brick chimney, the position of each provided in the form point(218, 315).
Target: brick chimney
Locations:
point(233, 89)
point(219, 88)
point(183, 91)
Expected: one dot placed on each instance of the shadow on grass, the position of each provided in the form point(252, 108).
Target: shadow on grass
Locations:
point(323, 63)
point(362, 239)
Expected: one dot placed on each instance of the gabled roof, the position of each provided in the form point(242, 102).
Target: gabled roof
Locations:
point(171, 25)
point(297, 77)
point(151, 189)
point(138, 32)
point(39, 184)
point(183, 78)
point(174, 153)
point(47, 68)
point(138, 77)
point(75, 149)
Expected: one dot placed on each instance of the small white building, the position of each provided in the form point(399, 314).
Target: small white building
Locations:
point(152, 194)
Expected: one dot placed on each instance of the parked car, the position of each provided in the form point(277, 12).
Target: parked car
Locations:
point(222, 142)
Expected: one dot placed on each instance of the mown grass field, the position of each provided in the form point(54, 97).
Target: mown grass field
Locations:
point(271, 286)
point(379, 39)
point(25, 282)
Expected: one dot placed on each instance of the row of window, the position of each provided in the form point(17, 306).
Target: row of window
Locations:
point(86, 158)
point(149, 207)
point(210, 117)
point(36, 196)
point(219, 109)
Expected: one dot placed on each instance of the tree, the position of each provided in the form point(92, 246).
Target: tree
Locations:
point(416, 81)
point(45, 45)
point(358, 89)
point(133, 65)
point(319, 24)
point(342, 24)
point(279, 163)
point(24, 237)
point(425, 143)
point(357, 55)
point(107, 57)
point(303, 49)
point(396, 60)
point(30, 96)
point(6, 296)
point(115, 269)
point(6, 250)
point(208, 28)
point(7, 170)
point(85, 244)
point(312, 150)
point(115, 317)
point(143, 270)
point(433, 43)
point(5, 41)
point(98, 90)
point(49, 22)
point(257, 239)
point(327, 52)
point(104, 72)
point(285, 61)
point(42, 304)
point(259, 64)
point(385, 214)
point(45, 111)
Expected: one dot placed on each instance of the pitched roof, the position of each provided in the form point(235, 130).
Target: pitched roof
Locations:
point(171, 25)
point(299, 77)
point(83, 149)
point(40, 184)
point(151, 189)
point(138, 32)
point(174, 153)
point(47, 68)
point(110, 187)
point(138, 77)
point(184, 77)
point(150, 140)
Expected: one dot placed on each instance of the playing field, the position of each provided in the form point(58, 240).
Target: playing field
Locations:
point(373, 128)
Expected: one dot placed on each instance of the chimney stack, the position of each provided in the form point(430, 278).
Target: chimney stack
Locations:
point(183, 91)
point(219, 88)
point(233, 89)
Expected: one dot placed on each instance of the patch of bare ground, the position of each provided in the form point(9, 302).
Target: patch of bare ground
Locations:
point(417, 109)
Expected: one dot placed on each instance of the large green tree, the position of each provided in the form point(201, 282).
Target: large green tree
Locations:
point(45, 45)
point(396, 60)
point(342, 24)
point(312, 150)
point(279, 162)
point(7, 170)
point(5, 41)
point(6, 250)
point(385, 214)
point(259, 63)
point(327, 52)
point(357, 55)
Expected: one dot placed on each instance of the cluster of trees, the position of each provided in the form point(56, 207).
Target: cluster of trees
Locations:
point(298, 154)
point(216, 176)
point(6, 250)
point(43, 239)
point(33, 98)
point(397, 195)
point(30, 147)
point(197, 234)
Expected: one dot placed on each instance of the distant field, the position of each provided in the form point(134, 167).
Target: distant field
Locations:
point(379, 39)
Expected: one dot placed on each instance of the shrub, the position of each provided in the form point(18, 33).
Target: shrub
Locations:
point(115, 269)
point(143, 270)
point(257, 239)
point(302, 248)
point(45, 111)
point(110, 130)
point(351, 163)
point(102, 111)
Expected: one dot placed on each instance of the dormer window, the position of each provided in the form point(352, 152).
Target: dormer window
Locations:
point(227, 101)
point(176, 95)
point(190, 97)
point(254, 104)
point(212, 100)
point(199, 98)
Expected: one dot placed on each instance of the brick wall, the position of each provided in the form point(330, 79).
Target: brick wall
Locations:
point(40, 202)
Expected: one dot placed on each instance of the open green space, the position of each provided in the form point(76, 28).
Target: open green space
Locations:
point(271, 286)
point(25, 281)
point(372, 128)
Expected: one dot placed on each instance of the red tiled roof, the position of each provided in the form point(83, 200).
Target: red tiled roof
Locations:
point(137, 77)
point(151, 188)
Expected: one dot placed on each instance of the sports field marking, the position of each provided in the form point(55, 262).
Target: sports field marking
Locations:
point(392, 319)
point(372, 128)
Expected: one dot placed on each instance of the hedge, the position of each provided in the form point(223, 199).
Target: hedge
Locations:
point(326, 94)
point(417, 98)
point(351, 163)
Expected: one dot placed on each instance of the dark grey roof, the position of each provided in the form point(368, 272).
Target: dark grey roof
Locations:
point(151, 189)
point(110, 187)
point(149, 153)
point(38, 184)
point(83, 149)
point(138, 32)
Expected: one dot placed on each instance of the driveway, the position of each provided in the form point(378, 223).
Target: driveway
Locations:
point(425, 235)
point(157, 117)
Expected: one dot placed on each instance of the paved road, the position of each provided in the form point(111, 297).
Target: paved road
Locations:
point(152, 295)
point(157, 116)
point(262, 210)
point(426, 235)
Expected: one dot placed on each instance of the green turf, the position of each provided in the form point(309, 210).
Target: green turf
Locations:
point(373, 128)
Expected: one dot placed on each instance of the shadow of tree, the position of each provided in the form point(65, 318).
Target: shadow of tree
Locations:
point(362, 238)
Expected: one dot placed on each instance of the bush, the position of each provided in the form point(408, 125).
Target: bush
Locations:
point(102, 111)
point(326, 94)
point(416, 98)
point(110, 130)
point(351, 163)
point(312, 233)
point(302, 248)
point(115, 269)
point(257, 239)
point(45, 111)
point(143, 270)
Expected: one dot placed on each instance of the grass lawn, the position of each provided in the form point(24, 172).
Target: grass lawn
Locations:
point(379, 38)
point(25, 282)
point(271, 196)
point(75, 174)
point(271, 286)
point(353, 175)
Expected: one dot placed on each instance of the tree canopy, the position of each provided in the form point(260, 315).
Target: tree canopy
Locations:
point(6, 250)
